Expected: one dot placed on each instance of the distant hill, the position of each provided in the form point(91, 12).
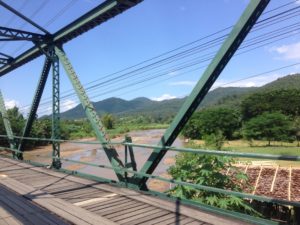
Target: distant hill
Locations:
point(228, 96)
point(121, 107)
point(287, 82)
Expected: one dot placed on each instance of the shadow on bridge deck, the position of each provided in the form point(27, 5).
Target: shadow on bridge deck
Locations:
point(38, 194)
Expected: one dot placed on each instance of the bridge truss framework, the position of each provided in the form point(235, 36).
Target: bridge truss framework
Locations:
point(51, 46)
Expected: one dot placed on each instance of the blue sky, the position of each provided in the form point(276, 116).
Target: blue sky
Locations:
point(145, 31)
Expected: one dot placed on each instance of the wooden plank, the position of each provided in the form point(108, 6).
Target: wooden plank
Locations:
point(95, 200)
point(123, 209)
point(26, 210)
point(175, 220)
point(3, 213)
point(132, 214)
point(114, 208)
point(274, 179)
point(148, 218)
point(168, 205)
point(66, 210)
point(164, 204)
point(188, 220)
point(257, 180)
point(107, 205)
point(111, 201)
point(12, 221)
point(83, 197)
point(129, 220)
point(79, 192)
point(160, 219)
point(290, 182)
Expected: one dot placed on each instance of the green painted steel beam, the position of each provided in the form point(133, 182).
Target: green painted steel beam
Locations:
point(227, 50)
point(9, 132)
point(88, 21)
point(35, 104)
point(91, 113)
point(15, 34)
point(187, 150)
point(56, 163)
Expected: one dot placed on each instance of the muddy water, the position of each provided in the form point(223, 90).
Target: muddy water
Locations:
point(94, 154)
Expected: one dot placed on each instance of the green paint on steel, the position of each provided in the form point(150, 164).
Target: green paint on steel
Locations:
point(190, 150)
point(9, 132)
point(98, 15)
point(55, 110)
point(234, 40)
point(91, 113)
point(129, 148)
point(168, 196)
point(34, 105)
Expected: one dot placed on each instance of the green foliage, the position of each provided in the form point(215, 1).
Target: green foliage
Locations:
point(209, 171)
point(268, 126)
point(214, 141)
point(296, 130)
point(108, 121)
point(212, 121)
point(286, 101)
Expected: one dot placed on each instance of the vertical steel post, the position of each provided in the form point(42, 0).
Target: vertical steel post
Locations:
point(91, 114)
point(227, 50)
point(9, 132)
point(34, 105)
point(132, 163)
point(56, 163)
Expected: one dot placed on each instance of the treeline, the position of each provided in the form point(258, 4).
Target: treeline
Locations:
point(42, 128)
point(270, 115)
point(81, 128)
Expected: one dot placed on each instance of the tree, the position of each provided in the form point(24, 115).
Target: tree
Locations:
point(209, 171)
point(108, 121)
point(17, 122)
point(296, 130)
point(213, 121)
point(286, 101)
point(268, 126)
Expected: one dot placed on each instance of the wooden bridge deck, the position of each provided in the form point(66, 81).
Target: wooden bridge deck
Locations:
point(32, 195)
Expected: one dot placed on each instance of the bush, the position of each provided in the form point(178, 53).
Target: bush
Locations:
point(209, 171)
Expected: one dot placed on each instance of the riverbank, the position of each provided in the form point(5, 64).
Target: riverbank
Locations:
point(93, 153)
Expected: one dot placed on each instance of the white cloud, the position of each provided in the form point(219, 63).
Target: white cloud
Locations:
point(183, 83)
point(288, 52)
point(173, 73)
point(67, 104)
point(251, 82)
point(163, 97)
point(9, 104)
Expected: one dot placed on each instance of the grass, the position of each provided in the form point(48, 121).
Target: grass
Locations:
point(259, 147)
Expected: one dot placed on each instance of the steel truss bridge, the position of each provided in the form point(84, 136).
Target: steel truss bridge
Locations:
point(99, 200)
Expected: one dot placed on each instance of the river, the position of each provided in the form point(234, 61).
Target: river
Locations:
point(93, 153)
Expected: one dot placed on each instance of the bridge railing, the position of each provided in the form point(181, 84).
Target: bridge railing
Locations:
point(172, 181)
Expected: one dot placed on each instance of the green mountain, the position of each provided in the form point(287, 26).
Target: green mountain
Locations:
point(287, 82)
point(229, 96)
point(121, 107)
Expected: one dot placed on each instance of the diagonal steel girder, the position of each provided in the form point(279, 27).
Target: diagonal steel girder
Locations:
point(91, 114)
point(35, 104)
point(7, 125)
point(15, 34)
point(88, 21)
point(227, 50)
point(5, 59)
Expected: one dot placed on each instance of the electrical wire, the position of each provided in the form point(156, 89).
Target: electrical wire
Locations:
point(257, 41)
